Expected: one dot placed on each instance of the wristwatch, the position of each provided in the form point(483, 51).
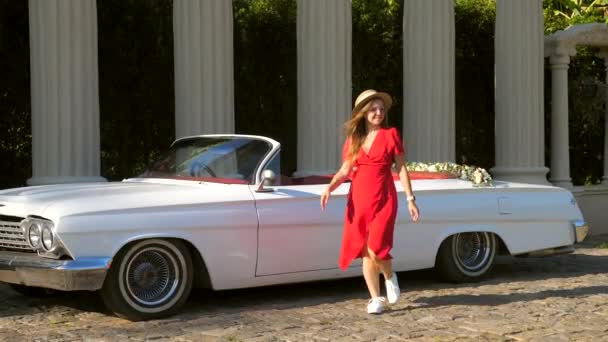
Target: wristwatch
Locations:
point(411, 198)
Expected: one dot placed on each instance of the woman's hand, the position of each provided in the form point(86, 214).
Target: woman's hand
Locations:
point(413, 209)
point(324, 198)
point(335, 182)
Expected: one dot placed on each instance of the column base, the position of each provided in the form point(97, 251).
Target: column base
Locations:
point(605, 180)
point(64, 180)
point(532, 175)
point(562, 182)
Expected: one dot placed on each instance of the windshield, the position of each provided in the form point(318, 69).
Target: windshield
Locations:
point(211, 159)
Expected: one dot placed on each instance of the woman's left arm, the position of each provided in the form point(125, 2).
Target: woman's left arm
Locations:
point(407, 186)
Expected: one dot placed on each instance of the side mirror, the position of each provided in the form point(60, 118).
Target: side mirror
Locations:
point(268, 179)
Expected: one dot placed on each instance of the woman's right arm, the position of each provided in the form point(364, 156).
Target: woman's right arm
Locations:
point(338, 179)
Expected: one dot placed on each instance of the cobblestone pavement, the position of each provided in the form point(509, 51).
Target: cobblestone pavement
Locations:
point(558, 298)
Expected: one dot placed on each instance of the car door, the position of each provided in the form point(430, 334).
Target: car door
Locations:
point(294, 235)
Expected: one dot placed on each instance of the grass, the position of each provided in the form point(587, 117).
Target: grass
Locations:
point(602, 245)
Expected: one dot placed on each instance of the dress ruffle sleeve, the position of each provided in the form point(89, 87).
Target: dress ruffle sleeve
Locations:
point(398, 148)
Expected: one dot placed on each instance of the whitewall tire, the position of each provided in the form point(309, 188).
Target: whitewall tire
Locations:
point(149, 279)
point(466, 257)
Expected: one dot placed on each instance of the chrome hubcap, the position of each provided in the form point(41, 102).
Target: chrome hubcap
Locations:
point(472, 250)
point(152, 276)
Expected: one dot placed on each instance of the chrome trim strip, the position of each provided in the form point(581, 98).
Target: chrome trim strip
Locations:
point(67, 275)
point(581, 230)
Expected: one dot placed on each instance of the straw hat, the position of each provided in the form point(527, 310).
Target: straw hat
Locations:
point(368, 95)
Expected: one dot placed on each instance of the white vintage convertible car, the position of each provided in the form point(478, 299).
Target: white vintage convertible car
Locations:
point(215, 212)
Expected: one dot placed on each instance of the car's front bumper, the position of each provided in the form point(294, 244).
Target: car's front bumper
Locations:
point(67, 275)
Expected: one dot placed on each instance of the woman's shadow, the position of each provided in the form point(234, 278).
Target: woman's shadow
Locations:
point(521, 270)
point(501, 299)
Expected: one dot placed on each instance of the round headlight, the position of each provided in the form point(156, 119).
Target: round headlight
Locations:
point(34, 234)
point(47, 237)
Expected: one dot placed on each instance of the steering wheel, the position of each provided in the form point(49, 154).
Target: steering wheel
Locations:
point(200, 168)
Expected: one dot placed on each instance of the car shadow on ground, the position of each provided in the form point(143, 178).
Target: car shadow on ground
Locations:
point(15, 304)
point(203, 301)
point(500, 299)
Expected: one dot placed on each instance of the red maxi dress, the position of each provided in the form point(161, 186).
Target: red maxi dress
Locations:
point(372, 202)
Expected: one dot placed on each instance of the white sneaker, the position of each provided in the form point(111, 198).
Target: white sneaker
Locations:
point(375, 305)
point(392, 289)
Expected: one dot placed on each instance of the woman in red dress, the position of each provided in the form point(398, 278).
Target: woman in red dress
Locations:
point(368, 154)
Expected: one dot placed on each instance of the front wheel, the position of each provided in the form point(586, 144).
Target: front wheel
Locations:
point(466, 257)
point(149, 279)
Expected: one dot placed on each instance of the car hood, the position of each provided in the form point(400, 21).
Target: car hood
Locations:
point(54, 201)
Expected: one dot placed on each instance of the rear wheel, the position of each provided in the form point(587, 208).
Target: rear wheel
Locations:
point(149, 279)
point(466, 257)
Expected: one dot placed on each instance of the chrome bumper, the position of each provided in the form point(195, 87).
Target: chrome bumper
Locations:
point(581, 229)
point(67, 275)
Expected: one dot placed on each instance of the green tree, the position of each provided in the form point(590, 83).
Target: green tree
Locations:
point(474, 21)
point(15, 128)
point(265, 66)
point(570, 12)
point(136, 83)
point(377, 58)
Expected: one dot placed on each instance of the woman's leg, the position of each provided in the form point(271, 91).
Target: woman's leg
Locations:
point(370, 273)
point(385, 266)
point(390, 278)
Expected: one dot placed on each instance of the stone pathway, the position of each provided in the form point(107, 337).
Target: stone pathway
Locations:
point(558, 298)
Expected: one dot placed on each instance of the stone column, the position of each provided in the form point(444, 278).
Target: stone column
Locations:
point(519, 64)
point(204, 71)
point(428, 80)
point(64, 94)
point(560, 146)
point(604, 55)
point(324, 33)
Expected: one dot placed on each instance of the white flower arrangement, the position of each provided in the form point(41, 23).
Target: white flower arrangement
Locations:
point(477, 175)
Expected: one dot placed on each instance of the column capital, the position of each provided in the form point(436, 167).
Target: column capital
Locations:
point(557, 61)
point(558, 48)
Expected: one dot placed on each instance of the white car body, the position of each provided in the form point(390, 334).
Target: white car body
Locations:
point(248, 238)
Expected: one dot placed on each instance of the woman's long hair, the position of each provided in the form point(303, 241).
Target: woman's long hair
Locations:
point(355, 129)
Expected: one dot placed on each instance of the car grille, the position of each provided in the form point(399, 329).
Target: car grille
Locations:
point(12, 236)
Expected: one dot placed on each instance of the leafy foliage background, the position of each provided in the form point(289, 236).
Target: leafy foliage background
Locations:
point(137, 94)
point(15, 127)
